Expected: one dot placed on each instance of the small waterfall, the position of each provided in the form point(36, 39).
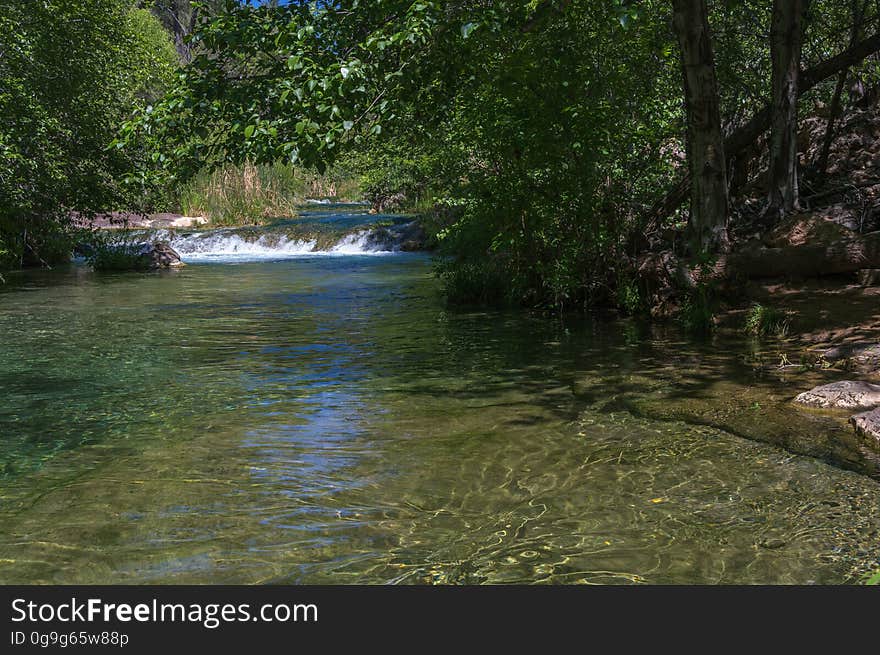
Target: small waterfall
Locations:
point(234, 245)
point(223, 245)
point(325, 229)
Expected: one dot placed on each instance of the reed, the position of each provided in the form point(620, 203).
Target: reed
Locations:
point(248, 194)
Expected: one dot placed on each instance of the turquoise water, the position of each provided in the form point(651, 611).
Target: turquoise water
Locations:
point(330, 420)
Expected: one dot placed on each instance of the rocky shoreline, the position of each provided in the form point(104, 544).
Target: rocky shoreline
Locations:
point(134, 221)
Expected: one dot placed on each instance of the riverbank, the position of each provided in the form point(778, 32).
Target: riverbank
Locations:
point(832, 325)
point(135, 221)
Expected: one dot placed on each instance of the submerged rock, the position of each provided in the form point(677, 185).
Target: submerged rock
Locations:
point(842, 395)
point(771, 543)
point(867, 426)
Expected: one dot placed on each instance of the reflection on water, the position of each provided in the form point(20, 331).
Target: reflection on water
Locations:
point(328, 420)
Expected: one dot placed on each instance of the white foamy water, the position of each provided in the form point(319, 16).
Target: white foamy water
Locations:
point(225, 246)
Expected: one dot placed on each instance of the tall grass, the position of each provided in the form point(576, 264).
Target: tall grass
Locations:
point(249, 195)
point(762, 321)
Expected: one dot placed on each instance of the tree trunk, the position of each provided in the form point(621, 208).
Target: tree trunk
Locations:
point(786, 39)
point(858, 9)
point(747, 134)
point(833, 114)
point(706, 160)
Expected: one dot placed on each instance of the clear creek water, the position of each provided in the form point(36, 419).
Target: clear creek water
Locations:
point(315, 419)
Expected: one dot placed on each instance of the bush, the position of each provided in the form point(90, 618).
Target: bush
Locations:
point(396, 180)
point(629, 298)
point(697, 313)
point(116, 252)
point(484, 283)
point(7, 256)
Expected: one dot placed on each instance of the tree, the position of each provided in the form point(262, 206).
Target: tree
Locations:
point(786, 42)
point(705, 141)
point(180, 18)
point(70, 71)
point(858, 9)
point(747, 134)
point(546, 127)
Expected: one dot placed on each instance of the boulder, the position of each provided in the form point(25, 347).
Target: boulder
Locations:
point(867, 426)
point(826, 226)
point(160, 254)
point(823, 257)
point(858, 351)
point(413, 237)
point(842, 395)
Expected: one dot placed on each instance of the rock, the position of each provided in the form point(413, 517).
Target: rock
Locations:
point(869, 277)
point(861, 352)
point(160, 254)
point(188, 221)
point(823, 252)
point(860, 356)
point(771, 544)
point(413, 237)
point(129, 256)
point(128, 220)
point(842, 395)
point(867, 426)
point(388, 202)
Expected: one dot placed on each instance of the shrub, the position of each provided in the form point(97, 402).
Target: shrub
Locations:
point(117, 252)
point(697, 313)
point(629, 299)
point(485, 283)
point(70, 72)
point(763, 321)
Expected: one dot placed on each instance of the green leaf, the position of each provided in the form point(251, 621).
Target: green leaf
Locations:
point(249, 131)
